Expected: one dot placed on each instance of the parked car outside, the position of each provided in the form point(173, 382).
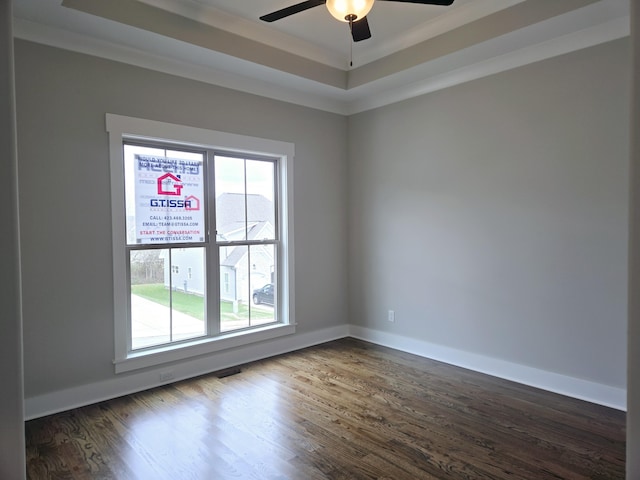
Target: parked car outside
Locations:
point(263, 295)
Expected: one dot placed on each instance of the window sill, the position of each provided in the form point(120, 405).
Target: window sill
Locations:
point(183, 351)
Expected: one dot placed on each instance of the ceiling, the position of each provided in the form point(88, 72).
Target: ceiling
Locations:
point(315, 34)
point(305, 58)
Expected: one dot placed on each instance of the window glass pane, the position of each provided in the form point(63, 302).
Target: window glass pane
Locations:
point(230, 199)
point(234, 288)
point(247, 286)
point(167, 295)
point(187, 293)
point(260, 200)
point(150, 298)
point(263, 284)
point(164, 196)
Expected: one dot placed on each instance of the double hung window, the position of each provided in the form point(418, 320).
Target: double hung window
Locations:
point(202, 241)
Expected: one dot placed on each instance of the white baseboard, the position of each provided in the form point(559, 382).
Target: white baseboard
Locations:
point(62, 400)
point(569, 386)
point(124, 384)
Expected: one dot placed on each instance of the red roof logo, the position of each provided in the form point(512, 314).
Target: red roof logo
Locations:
point(191, 203)
point(169, 184)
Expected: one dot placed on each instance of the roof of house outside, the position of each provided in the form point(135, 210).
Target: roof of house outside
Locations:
point(230, 212)
point(230, 217)
point(238, 252)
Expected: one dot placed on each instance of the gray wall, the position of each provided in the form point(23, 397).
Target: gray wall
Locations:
point(62, 98)
point(633, 362)
point(12, 453)
point(492, 216)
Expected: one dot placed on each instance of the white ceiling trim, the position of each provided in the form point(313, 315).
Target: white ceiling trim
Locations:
point(588, 37)
point(604, 21)
point(249, 29)
point(449, 20)
point(269, 82)
point(597, 23)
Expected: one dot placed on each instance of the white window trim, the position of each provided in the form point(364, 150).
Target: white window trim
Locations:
point(122, 128)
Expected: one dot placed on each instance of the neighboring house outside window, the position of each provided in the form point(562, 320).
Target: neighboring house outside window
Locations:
point(226, 283)
point(200, 228)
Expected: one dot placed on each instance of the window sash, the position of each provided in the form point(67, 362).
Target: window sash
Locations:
point(172, 152)
point(209, 322)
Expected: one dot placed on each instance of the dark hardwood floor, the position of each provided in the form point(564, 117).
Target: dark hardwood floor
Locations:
point(342, 410)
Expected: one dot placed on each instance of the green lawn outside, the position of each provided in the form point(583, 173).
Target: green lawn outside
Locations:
point(193, 305)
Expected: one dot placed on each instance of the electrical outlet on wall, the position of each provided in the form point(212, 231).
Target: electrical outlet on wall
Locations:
point(391, 316)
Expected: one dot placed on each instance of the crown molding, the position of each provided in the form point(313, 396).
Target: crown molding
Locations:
point(598, 23)
point(266, 82)
point(448, 20)
point(259, 32)
point(436, 77)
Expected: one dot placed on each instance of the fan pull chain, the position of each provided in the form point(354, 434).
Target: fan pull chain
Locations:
point(351, 54)
point(351, 42)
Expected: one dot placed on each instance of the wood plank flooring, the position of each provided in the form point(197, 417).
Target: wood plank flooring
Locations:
point(342, 410)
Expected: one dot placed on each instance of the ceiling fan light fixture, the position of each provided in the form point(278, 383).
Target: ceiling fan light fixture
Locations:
point(349, 10)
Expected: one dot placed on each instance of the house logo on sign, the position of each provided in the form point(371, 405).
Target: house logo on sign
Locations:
point(169, 184)
point(192, 203)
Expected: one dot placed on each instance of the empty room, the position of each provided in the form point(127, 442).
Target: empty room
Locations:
point(374, 239)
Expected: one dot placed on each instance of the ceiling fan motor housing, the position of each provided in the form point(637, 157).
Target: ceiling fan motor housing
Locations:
point(349, 10)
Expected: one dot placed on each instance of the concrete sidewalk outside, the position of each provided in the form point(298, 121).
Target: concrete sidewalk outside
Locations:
point(151, 323)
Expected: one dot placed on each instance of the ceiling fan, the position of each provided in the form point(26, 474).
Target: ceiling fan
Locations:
point(353, 12)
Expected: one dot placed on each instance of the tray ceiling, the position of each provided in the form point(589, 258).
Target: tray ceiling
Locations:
point(305, 58)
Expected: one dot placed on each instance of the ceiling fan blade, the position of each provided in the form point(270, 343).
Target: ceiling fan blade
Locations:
point(424, 2)
point(360, 30)
point(293, 9)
